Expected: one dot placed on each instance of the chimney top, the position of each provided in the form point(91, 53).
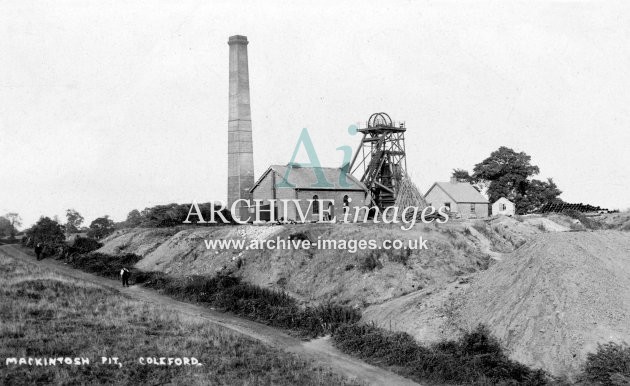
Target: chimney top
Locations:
point(237, 39)
point(454, 180)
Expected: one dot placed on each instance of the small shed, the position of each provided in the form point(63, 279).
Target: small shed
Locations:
point(458, 197)
point(503, 206)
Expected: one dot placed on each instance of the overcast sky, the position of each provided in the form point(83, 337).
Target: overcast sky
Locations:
point(107, 106)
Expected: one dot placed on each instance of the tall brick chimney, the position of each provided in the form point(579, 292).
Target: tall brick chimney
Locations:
point(240, 150)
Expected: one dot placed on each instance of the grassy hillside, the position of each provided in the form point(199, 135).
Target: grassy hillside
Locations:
point(46, 314)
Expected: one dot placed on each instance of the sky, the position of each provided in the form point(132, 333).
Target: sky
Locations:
point(109, 106)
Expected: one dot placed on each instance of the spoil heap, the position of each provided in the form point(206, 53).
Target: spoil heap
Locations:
point(553, 300)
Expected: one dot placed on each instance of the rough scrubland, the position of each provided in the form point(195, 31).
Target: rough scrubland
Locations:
point(475, 271)
point(46, 314)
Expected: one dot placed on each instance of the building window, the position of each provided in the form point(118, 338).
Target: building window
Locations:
point(448, 206)
point(315, 204)
point(503, 207)
point(346, 204)
point(472, 208)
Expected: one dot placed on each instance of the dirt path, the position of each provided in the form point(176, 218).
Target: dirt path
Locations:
point(320, 350)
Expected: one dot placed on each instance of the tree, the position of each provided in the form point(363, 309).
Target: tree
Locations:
point(538, 193)
point(47, 232)
point(74, 221)
point(462, 175)
point(101, 227)
point(134, 218)
point(507, 173)
point(5, 227)
point(16, 221)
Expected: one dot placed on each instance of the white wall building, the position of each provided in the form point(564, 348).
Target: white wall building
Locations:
point(503, 206)
point(459, 197)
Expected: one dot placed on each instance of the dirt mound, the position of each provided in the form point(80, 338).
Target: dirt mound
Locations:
point(619, 221)
point(425, 314)
point(359, 278)
point(140, 241)
point(356, 278)
point(554, 299)
point(517, 230)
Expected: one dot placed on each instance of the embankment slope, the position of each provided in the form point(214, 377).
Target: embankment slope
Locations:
point(356, 278)
point(554, 299)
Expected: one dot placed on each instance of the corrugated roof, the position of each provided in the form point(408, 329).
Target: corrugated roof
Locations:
point(305, 178)
point(460, 192)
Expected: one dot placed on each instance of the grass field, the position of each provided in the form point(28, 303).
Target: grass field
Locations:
point(46, 314)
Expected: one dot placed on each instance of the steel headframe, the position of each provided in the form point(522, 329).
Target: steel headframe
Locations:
point(381, 158)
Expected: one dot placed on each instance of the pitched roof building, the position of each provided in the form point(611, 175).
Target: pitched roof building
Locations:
point(286, 182)
point(459, 197)
point(503, 206)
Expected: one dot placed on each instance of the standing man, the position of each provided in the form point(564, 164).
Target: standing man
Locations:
point(124, 276)
point(38, 250)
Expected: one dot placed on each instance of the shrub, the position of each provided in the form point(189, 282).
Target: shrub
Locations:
point(476, 357)
point(299, 236)
point(400, 256)
point(170, 215)
point(610, 365)
point(102, 264)
point(47, 232)
point(84, 245)
point(269, 306)
point(370, 262)
point(101, 228)
point(148, 278)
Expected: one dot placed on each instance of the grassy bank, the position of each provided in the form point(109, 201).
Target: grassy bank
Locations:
point(475, 359)
point(46, 314)
point(264, 305)
point(229, 294)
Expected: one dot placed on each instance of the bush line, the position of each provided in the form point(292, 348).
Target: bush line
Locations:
point(475, 358)
point(271, 307)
